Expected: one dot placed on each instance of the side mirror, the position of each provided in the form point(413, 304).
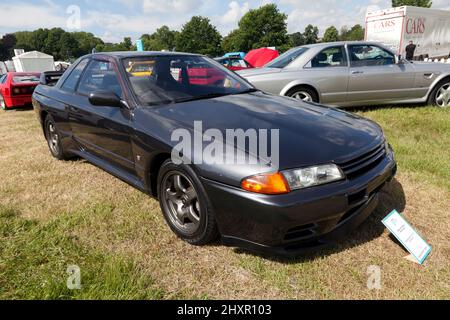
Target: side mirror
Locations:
point(105, 99)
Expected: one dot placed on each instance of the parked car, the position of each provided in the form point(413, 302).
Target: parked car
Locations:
point(352, 74)
point(16, 89)
point(332, 164)
point(234, 63)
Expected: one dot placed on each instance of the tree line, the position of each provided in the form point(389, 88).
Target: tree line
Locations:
point(262, 27)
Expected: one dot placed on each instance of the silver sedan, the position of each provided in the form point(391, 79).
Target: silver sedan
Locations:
point(352, 74)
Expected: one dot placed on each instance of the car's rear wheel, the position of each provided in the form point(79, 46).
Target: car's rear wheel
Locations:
point(53, 138)
point(185, 205)
point(2, 103)
point(303, 93)
point(440, 96)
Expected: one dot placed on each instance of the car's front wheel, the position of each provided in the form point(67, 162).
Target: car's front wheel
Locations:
point(53, 138)
point(185, 205)
point(303, 93)
point(440, 96)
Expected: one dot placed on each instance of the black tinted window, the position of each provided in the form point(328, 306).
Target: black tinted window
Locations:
point(369, 55)
point(71, 82)
point(100, 76)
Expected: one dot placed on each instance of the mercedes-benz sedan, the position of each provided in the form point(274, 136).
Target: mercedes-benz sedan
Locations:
point(352, 74)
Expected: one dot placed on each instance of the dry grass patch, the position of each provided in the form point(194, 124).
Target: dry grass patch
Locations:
point(106, 218)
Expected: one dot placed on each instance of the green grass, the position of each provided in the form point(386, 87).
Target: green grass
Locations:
point(421, 139)
point(35, 257)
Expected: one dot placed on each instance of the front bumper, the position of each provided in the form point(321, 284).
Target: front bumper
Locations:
point(298, 221)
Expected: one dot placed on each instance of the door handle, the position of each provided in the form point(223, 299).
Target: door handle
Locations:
point(357, 72)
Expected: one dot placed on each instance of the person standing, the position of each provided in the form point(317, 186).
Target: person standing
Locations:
point(410, 49)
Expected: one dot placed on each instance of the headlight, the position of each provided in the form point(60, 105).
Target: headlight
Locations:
point(312, 176)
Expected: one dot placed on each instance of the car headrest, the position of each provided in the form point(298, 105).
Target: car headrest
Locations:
point(337, 57)
point(322, 57)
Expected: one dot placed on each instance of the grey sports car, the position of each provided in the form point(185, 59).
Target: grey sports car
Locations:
point(352, 74)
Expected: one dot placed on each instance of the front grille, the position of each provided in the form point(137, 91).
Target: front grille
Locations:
point(364, 163)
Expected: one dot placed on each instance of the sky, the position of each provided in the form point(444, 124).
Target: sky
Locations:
point(112, 20)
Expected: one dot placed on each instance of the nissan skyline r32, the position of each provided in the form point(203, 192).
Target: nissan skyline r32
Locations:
point(332, 164)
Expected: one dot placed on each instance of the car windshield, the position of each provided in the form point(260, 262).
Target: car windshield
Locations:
point(286, 58)
point(26, 78)
point(180, 78)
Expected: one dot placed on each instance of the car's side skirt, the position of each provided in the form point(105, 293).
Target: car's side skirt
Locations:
point(104, 165)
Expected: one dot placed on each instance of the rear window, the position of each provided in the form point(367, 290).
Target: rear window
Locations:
point(25, 78)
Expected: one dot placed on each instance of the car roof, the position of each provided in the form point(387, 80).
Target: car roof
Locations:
point(137, 54)
point(337, 43)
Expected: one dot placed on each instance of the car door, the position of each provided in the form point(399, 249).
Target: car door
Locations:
point(103, 131)
point(375, 75)
point(328, 71)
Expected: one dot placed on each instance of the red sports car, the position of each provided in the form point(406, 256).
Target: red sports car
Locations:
point(234, 63)
point(16, 89)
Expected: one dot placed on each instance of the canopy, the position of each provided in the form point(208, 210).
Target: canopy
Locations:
point(260, 57)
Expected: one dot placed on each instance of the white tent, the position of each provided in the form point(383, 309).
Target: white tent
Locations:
point(34, 61)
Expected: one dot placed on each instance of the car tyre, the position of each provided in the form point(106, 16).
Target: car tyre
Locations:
point(440, 95)
point(303, 93)
point(185, 204)
point(3, 103)
point(53, 138)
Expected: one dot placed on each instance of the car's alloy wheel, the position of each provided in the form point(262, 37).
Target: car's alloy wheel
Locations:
point(302, 95)
point(185, 205)
point(53, 138)
point(443, 96)
point(182, 202)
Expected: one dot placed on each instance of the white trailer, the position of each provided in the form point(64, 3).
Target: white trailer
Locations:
point(34, 61)
point(429, 29)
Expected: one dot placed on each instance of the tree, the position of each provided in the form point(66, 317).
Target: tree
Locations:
point(297, 39)
point(311, 34)
point(162, 39)
point(331, 34)
point(356, 33)
point(199, 36)
point(85, 42)
point(262, 27)
point(125, 45)
point(232, 42)
point(7, 45)
point(415, 3)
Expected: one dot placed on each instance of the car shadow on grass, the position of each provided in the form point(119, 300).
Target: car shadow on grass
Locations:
point(392, 197)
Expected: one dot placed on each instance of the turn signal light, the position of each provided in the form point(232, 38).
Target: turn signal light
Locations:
point(273, 183)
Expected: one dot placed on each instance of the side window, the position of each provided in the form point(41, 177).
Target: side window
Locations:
point(369, 55)
point(72, 80)
point(100, 76)
point(3, 78)
point(330, 57)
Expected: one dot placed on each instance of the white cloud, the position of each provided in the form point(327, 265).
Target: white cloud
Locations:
point(171, 6)
point(235, 12)
point(26, 16)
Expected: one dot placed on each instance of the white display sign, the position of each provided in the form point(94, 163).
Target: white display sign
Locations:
point(408, 237)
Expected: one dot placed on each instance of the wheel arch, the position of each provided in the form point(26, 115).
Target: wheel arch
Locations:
point(300, 83)
point(153, 168)
point(435, 83)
